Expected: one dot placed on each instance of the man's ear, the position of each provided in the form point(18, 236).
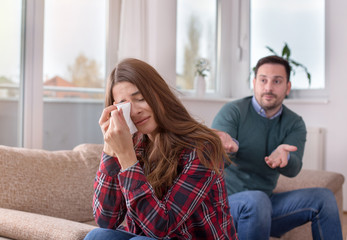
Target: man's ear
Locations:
point(289, 87)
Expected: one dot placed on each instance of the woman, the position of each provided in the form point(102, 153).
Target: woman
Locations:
point(166, 180)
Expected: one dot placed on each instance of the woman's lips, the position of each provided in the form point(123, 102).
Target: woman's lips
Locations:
point(142, 121)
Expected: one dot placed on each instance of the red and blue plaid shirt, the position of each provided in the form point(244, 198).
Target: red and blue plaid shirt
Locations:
point(195, 206)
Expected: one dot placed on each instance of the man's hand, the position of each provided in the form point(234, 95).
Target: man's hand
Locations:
point(279, 157)
point(228, 143)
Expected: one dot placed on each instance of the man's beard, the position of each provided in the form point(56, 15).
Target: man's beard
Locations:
point(267, 106)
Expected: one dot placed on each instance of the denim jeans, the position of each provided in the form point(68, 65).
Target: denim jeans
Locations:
point(258, 216)
point(110, 234)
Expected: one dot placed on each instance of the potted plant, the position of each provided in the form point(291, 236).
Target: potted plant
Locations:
point(202, 67)
point(286, 54)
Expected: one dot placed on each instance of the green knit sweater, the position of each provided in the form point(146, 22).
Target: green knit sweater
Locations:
point(259, 137)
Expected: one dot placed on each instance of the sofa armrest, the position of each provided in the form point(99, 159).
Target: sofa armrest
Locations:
point(311, 178)
point(23, 225)
point(52, 183)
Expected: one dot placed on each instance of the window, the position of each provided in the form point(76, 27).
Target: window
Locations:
point(73, 71)
point(298, 23)
point(244, 29)
point(10, 71)
point(52, 73)
point(74, 48)
point(196, 39)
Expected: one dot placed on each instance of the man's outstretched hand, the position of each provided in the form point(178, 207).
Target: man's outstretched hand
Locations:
point(279, 157)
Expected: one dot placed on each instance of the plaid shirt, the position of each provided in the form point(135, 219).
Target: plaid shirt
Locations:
point(195, 206)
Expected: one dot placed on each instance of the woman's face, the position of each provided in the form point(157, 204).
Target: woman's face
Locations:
point(141, 113)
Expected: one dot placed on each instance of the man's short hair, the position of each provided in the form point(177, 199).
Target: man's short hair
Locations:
point(273, 59)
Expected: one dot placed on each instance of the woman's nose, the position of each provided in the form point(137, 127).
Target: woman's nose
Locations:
point(134, 109)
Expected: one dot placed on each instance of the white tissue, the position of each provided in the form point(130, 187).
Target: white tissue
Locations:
point(126, 113)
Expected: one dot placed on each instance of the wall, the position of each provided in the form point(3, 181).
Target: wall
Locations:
point(331, 115)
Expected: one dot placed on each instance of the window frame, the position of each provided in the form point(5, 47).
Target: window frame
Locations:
point(232, 52)
point(241, 49)
point(208, 93)
point(298, 93)
point(233, 57)
point(31, 102)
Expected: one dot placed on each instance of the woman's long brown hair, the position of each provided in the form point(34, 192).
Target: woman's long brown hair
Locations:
point(177, 130)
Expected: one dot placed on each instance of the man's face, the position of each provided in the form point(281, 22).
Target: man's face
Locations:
point(271, 87)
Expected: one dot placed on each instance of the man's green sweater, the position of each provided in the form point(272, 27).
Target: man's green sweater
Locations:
point(258, 137)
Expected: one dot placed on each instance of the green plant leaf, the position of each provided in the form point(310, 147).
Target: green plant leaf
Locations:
point(271, 50)
point(309, 78)
point(296, 64)
point(286, 52)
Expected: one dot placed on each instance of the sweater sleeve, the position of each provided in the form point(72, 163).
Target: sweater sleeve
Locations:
point(108, 202)
point(296, 137)
point(227, 120)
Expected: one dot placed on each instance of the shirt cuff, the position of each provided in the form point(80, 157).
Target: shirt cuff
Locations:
point(121, 171)
point(237, 142)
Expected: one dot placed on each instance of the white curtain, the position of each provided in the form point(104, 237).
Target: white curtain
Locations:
point(133, 37)
point(147, 31)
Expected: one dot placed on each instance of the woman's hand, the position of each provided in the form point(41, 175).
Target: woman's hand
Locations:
point(117, 137)
point(104, 123)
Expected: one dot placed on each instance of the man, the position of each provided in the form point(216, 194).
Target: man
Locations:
point(267, 139)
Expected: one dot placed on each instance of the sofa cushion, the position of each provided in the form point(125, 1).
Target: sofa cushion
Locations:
point(53, 183)
point(311, 178)
point(30, 226)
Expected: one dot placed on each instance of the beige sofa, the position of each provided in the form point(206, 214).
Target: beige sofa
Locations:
point(48, 194)
point(306, 179)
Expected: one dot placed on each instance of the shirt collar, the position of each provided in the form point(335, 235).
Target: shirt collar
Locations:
point(261, 111)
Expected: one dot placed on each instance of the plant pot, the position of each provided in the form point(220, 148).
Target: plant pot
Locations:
point(200, 86)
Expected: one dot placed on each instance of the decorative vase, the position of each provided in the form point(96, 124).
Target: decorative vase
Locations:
point(200, 85)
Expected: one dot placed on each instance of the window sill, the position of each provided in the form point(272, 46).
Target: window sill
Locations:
point(205, 99)
point(225, 100)
point(306, 101)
